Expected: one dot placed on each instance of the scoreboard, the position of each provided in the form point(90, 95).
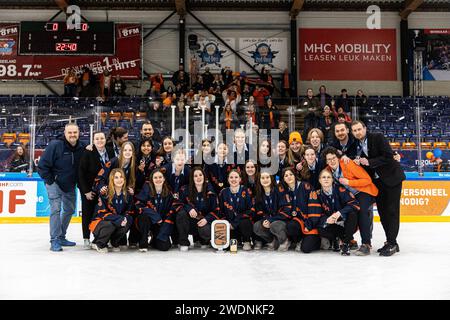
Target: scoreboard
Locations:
point(55, 38)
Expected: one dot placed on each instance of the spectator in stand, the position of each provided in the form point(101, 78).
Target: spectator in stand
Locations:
point(326, 122)
point(218, 82)
point(118, 86)
point(270, 116)
point(157, 81)
point(284, 131)
point(208, 78)
point(70, 84)
point(323, 97)
point(286, 84)
point(105, 85)
point(198, 85)
point(227, 76)
point(19, 161)
point(180, 77)
point(260, 94)
point(246, 93)
point(360, 99)
point(268, 79)
point(311, 105)
point(88, 82)
point(344, 101)
point(232, 96)
point(341, 113)
point(228, 118)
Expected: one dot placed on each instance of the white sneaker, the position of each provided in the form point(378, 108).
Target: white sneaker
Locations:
point(247, 246)
point(184, 248)
point(284, 246)
point(204, 246)
point(116, 249)
point(258, 245)
point(298, 246)
point(123, 247)
point(93, 246)
point(272, 245)
point(87, 244)
point(102, 250)
point(143, 250)
point(324, 243)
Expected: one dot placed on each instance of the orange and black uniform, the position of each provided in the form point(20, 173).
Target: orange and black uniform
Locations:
point(206, 207)
point(322, 205)
point(106, 224)
point(238, 209)
point(295, 220)
point(217, 175)
point(103, 175)
point(156, 214)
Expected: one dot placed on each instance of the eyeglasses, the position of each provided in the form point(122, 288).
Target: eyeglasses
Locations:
point(331, 159)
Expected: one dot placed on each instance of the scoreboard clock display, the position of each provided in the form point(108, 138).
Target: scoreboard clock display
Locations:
point(55, 38)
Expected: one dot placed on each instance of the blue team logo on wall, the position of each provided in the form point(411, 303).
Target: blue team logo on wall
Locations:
point(6, 47)
point(263, 55)
point(211, 54)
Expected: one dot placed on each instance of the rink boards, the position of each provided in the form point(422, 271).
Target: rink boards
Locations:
point(24, 199)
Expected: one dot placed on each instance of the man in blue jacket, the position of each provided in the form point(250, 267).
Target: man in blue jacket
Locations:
point(58, 167)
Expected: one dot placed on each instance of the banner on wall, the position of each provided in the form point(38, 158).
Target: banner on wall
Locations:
point(214, 55)
point(425, 198)
point(435, 44)
point(126, 62)
point(270, 53)
point(347, 54)
point(21, 196)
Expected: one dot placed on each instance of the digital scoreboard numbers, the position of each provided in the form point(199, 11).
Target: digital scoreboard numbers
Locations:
point(55, 38)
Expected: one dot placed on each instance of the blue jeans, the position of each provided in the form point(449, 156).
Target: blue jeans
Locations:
point(59, 221)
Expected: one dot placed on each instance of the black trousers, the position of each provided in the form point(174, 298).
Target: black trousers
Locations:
point(310, 242)
point(243, 232)
point(87, 209)
point(344, 233)
point(187, 225)
point(388, 205)
point(144, 227)
point(365, 216)
point(106, 231)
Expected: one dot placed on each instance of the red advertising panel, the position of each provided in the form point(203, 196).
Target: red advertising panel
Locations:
point(126, 61)
point(347, 54)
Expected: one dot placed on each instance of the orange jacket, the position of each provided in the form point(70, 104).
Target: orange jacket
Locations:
point(358, 178)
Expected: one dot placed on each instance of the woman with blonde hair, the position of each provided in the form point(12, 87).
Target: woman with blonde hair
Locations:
point(113, 214)
point(126, 161)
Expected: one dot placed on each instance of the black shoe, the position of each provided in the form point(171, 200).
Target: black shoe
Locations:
point(386, 244)
point(335, 245)
point(353, 245)
point(390, 250)
point(345, 250)
point(383, 247)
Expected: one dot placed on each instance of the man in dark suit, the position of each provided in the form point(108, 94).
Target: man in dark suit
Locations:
point(376, 156)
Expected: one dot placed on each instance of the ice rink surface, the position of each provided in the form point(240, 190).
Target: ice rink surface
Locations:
point(28, 270)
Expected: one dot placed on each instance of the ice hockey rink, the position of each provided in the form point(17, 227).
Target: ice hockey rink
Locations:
point(28, 270)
